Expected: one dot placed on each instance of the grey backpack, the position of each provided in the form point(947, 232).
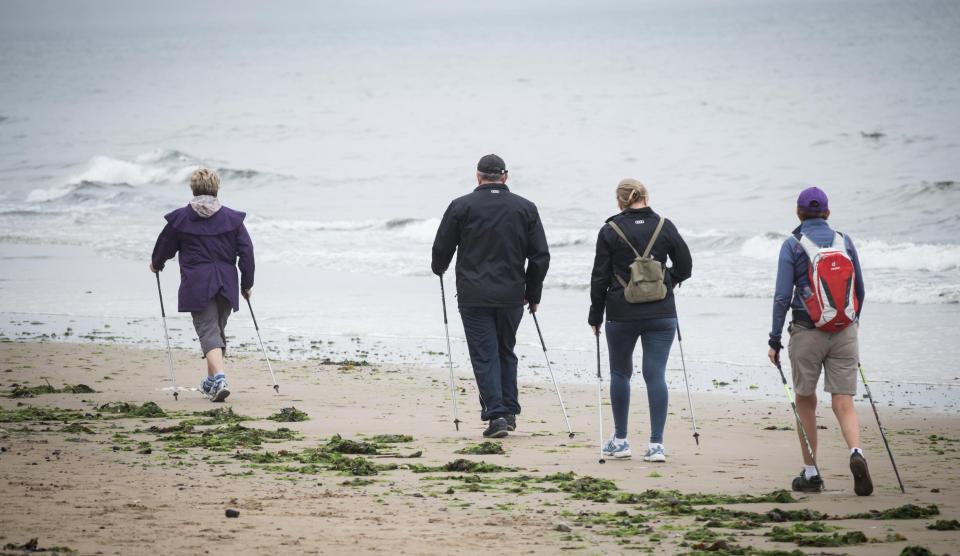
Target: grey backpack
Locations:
point(646, 273)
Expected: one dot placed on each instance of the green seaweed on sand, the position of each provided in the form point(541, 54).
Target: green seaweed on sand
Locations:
point(390, 439)
point(725, 548)
point(77, 428)
point(741, 519)
point(346, 446)
point(585, 487)
point(462, 466)
point(945, 525)
point(216, 416)
point(358, 482)
point(907, 511)
point(618, 524)
point(673, 498)
point(289, 415)
point(33, 546)
point(26, 391)
point(916, 551)
point(484, 448)
point(795, 535)
point(122, 410)
point(32, 413)
point(228, 437)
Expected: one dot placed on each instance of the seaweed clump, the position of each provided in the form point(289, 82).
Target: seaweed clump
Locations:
point(484, 448)
point(945, 525)
point(289, 415)
point(26, 391)
point(129, 410)
point(907, 511)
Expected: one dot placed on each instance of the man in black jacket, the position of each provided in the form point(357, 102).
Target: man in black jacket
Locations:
point(495, 234)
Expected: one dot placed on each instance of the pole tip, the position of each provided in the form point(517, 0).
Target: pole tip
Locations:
point(696, 436)
point(276, 388)
point(603, 460)
point(456, 423)
point(570, 435)
point(176, 396)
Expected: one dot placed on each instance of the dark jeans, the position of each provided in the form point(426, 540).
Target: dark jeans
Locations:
point(656, 337)
point(491, 335)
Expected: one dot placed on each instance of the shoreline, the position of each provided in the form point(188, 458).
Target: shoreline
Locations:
point(744, 381)
point(83, 489)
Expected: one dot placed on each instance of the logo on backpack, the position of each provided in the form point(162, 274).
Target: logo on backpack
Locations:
point(830, 300)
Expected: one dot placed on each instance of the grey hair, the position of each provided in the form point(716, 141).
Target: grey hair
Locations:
point(205, 181)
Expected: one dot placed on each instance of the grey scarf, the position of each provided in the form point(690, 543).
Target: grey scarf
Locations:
point(205, 205)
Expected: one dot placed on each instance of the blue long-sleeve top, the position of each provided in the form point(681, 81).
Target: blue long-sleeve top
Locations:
point(792, 273)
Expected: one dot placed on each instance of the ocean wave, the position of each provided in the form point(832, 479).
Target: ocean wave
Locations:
point(874, 254)
point(162, 166)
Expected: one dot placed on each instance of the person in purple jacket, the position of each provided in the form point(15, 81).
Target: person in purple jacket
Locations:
point(212, 242)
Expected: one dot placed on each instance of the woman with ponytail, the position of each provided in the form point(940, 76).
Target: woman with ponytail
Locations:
point(633, 285)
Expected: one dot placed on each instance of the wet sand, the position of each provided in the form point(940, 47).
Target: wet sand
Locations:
point(97, 482)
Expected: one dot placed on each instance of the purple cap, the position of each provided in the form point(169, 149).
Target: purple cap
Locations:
point(813, 199)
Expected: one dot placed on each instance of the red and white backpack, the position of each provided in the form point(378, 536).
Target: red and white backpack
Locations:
point(831, 301)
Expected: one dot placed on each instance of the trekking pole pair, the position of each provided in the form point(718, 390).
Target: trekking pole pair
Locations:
point(876, 414)
point(453, 388)
point(166, 335)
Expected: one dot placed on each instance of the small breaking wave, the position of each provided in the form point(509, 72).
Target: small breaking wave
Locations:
point(162, 166)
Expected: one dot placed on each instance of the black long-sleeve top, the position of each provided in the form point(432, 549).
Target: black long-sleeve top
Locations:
point(502, 254)
point(614, 256)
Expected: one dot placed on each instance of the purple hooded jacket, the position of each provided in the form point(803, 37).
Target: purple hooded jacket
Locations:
point(210, 249)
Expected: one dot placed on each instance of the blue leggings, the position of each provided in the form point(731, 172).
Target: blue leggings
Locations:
point(656, 337)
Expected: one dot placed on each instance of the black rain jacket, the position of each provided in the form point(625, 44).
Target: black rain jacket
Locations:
point(615, 256)
point(495, 233)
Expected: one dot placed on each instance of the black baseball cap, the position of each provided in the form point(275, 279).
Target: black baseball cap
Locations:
point(492, 164)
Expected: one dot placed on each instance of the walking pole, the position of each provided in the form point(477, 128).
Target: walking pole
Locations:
point(166, 336)
point(552, 377)
point(446, 326)
point(696, 435)
point(599, 409)
point(803, 431)
point(276, 387)
point(882, 433)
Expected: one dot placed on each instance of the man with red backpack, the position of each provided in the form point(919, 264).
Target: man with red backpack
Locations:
point(819, 280)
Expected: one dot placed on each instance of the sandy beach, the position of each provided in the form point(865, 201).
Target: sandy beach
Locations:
point(120, 479)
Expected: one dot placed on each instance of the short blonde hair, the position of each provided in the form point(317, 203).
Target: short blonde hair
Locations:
point(630, 191)
point(205, 181)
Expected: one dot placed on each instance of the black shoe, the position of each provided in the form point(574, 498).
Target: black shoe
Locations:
point(511, 422)
point(862, 484)
point(803, 484)
point(498, 428)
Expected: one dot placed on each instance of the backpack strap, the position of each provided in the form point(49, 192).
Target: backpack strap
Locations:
point(623, 236)
point(838, 242)
point(646, 252)
point(809, 247)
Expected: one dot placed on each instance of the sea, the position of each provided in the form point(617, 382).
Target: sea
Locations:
point(344, 129)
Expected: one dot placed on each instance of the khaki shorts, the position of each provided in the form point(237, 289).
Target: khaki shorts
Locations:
point(838, 354)
point(211, 324)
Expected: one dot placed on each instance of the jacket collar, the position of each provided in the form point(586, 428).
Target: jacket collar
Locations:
point(492, 186)
point(810, 224)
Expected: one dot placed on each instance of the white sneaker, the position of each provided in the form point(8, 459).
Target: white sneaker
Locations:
point(655, 454)
point(617, 448)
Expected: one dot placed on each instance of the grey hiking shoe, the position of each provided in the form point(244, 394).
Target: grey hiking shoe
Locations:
point(862, 483)
point(497, 428)
point(207, 387)
point(655, 454)
point(617, 448)
point(803, 484)
point(220, 390)
point(511, 422)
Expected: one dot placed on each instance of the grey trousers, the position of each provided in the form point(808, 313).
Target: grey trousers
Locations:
point(210, 324)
